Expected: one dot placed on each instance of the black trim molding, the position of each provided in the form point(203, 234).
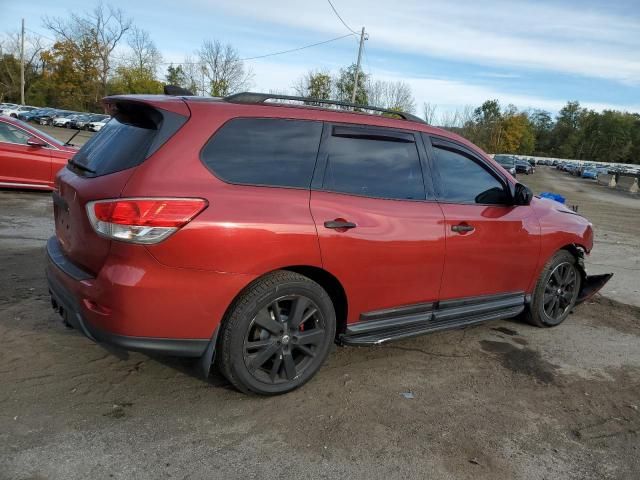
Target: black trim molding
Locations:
point(382, 326)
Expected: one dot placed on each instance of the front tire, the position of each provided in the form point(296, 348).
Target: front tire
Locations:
point(556, 291)
point(277, 334)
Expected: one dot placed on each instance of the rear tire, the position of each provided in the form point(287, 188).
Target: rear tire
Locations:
point(277, 334)
point(556, 291)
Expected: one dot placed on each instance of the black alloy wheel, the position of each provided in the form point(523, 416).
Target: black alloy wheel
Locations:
point(277, 334)
point(283, 339)
point(560, 292)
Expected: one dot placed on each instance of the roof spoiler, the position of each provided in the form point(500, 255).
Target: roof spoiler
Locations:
point(176, 91)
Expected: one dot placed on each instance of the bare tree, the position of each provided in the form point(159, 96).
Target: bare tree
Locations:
point(10, 74)
point(194, 73)
point(144, 55)
point(429, 110)
point(391, 95)
point(223, 68)
point(105, 26)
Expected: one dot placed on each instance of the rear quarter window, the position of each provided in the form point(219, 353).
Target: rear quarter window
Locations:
point(264, 151)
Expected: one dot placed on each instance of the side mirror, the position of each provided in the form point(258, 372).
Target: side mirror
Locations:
point(35, 142)
point(522, 194)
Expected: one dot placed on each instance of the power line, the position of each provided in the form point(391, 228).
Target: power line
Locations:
point(340, 18)
point(268, 54)
point(40, 35)
point(298, 49)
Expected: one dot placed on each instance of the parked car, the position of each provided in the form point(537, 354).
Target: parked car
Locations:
point(29, 158)
point(46, 118)
point(507, 162)
point(28, 115)
point(64, 120)
point(7, 106)
point(284, 228)
point(15, 111)
point(79, 122)
point(591, 173)
point(96, 125)
point(522, 166)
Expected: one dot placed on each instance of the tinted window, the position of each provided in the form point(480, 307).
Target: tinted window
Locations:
point(11, 134)
point(462, 180)
point(131, 136)
point(374, 168)
point(264, 151)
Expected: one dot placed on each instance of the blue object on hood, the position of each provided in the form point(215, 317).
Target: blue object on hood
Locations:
point(553, 196)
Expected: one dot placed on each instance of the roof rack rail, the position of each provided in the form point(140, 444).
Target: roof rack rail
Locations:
point(254, 98)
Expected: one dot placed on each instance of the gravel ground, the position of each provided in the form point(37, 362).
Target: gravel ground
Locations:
point(500, 400)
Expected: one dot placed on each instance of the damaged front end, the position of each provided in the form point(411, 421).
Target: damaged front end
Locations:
point(590, 284)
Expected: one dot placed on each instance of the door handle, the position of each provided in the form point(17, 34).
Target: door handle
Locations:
point(338, 224)
point(462, 228)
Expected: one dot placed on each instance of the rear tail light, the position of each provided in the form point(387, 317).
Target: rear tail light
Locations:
point(142, 220)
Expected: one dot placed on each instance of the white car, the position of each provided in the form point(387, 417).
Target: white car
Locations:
point(97, 126)
point(63, 121)
point(13, 112)
point(7, 106)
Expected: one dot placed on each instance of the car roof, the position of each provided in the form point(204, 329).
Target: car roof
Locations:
point(286, 110)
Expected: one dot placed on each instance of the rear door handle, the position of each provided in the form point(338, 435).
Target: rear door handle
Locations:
point(336, 224)
point(462, 228)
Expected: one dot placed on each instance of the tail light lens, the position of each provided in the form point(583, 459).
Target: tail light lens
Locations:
point(142, 220)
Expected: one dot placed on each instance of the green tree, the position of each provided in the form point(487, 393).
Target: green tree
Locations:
point(542, 124)
point(566, 132)
point(71, 75)
point(345, 82)
point(176, 76)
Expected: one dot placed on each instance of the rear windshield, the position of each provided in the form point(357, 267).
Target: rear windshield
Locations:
point(130, 137)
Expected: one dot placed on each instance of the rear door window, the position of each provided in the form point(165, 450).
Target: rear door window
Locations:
point(264, 151)
point(373, 162)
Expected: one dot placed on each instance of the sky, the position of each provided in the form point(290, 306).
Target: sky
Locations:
point(531, 53)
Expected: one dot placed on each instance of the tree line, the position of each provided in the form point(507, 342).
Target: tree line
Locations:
point(575, 132)
point(102, 52)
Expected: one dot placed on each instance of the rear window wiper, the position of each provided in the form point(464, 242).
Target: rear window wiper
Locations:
point(79, 166)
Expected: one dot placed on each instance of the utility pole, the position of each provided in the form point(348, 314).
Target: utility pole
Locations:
point(22, 65)
point(355, 80)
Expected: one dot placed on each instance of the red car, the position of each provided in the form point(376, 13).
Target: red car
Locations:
point(263, 232)
point(29, 158)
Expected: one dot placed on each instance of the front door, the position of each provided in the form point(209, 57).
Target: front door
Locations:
point(22, 164)
point(492, 246)
point(380, 232)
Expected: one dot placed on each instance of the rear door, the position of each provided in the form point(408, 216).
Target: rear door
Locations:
point(492, 246)
point(20, 163)
point(381, 234)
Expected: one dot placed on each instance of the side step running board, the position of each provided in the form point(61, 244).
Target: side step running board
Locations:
point(396, 324)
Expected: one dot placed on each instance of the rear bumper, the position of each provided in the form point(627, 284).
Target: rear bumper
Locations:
point(69, 287)
point(67, 306)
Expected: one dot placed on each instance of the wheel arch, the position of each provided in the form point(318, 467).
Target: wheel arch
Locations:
point(332, 286)
point(578, 251)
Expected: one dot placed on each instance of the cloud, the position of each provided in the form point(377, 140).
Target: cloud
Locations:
point(448, 94)
point(537, 35)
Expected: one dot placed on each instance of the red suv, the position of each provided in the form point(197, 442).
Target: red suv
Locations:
point(263, 232)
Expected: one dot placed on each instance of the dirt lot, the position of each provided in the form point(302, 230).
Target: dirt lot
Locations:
point(501, 400)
